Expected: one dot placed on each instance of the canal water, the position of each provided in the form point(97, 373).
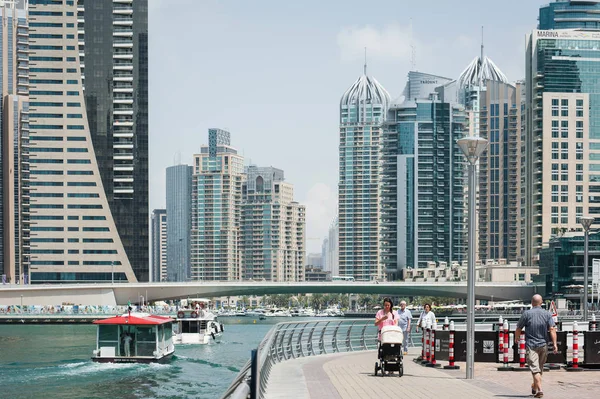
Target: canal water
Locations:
point(53, 361)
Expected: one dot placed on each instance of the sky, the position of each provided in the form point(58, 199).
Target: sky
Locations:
point(272, 73)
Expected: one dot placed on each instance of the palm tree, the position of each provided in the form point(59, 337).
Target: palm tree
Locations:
point(317, 301)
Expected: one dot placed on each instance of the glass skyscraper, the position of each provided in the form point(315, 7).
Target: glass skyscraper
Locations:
point(179, 222)
point(422, 196)
point(572, 14)
point(362, 111)
point(112, 38)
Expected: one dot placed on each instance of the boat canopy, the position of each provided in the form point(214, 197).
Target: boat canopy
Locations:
point(135, 319)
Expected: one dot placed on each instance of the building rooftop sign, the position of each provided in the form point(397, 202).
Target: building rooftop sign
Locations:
point(568, 34)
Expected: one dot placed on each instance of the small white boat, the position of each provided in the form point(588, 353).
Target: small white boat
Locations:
point(196, 327)
point(134, 338)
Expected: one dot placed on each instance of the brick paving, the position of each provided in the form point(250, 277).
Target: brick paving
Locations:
point(350, 375)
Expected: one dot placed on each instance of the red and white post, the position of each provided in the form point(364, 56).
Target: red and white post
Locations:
point(505, 345)
point(575, 364)
point(593, 323)
point(521, 354)
point(432, 362)
point(451, 365)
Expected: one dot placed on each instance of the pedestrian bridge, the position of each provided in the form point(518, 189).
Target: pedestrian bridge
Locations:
point(122, 293)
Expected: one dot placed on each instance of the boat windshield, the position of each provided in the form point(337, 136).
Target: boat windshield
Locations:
point(189, 326)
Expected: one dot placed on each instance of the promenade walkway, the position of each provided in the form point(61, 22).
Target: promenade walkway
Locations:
point(350, 375)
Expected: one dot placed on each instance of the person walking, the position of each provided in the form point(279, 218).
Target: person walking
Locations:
point(538, 324)
point(404, 320)
point(427, 314)
point(386, 316)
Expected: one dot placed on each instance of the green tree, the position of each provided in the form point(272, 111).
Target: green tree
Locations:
point(317, 301)
point(367, 300)
point(344, 301)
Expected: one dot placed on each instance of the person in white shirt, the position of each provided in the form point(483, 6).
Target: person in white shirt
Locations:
point(404, 320)
point(427, 314)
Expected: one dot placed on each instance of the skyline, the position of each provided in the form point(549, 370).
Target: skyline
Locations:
point(312, 64)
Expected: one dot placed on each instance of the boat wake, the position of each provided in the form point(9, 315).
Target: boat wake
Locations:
point(207, 363)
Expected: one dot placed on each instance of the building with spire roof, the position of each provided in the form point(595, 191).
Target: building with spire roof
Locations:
point(494, 112)
point(362, 111)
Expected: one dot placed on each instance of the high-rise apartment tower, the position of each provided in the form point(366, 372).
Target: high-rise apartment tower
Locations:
point(216, 206)
point(112, 38)
point(362, 111)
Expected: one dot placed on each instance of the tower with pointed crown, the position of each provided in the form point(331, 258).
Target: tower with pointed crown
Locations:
point(362, 111)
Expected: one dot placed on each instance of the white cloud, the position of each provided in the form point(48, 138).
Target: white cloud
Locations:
point(321, 204)
point(392, 41)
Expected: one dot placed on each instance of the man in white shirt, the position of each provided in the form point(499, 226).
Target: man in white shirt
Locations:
point(404, 320)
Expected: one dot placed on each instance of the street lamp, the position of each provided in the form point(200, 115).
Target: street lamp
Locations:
point(586, 222)
point(472, 147)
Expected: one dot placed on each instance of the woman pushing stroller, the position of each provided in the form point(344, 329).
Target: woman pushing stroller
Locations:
point(389, 346)
point(386, 316)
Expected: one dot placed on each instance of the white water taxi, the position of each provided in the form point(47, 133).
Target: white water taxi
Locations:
point(198, 326)
point(134, 338)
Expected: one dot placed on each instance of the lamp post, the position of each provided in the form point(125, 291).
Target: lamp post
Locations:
point(472, 147)
point(586, 222)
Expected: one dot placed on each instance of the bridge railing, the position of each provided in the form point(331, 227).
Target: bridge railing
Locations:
point(292, 340)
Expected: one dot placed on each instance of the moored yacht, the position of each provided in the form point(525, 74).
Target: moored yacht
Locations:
point(198, 326)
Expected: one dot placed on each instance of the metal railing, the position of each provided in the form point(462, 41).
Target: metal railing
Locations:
point(291, 340)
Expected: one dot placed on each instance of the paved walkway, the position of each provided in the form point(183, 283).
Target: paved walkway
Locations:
point(350, 375)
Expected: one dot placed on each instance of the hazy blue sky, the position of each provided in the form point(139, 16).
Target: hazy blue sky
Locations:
point(272, 73)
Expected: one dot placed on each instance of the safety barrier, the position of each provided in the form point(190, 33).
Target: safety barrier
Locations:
point(291, 340)
point(451, 365)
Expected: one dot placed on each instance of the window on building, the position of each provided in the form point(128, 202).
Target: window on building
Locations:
point(579, 129)
point(564, 193)
point(564, 214)
point(554, 129)
point(555, 193)
point(578, 214)
point(564, 150)
point(554, 215)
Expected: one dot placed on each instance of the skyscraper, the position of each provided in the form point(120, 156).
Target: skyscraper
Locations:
point(159, 245)
point(73, 234)
point(561, 166)
point(216, 206)
point(14, 85)
point(422, 198)
point(113, 54)
point(362, 111)
point(179, 222)
point(333, 254)
point(500, 171)
point(570, 14)
point(272, 227)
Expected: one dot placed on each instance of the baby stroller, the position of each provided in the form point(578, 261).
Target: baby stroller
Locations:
point(389, 352)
